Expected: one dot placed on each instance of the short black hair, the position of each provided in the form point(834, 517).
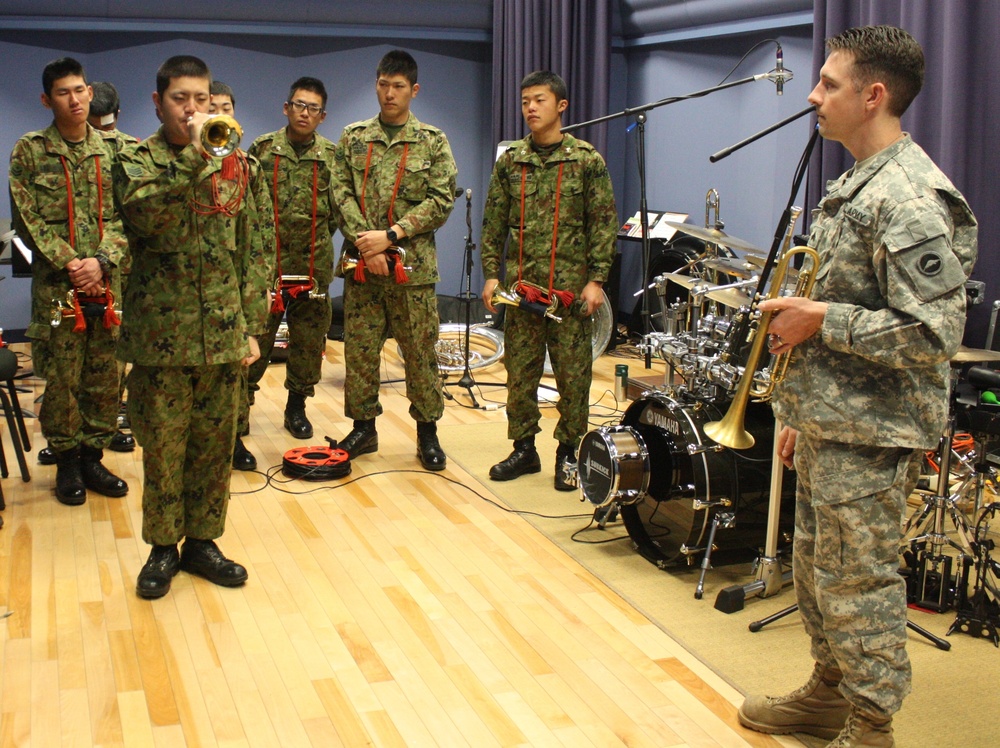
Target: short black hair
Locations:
point(105, 99)
point(305, 83)
point(885, 54)
point(547, 78)
point(181, 66)
point(398, 62)
point(61, 68)
point(218, 88)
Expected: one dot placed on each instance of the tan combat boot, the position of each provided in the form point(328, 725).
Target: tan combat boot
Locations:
point(865, 730)
point(817, 708)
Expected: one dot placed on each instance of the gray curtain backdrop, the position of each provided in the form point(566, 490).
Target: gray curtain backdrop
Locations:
point(954, 118)
point(569, 37)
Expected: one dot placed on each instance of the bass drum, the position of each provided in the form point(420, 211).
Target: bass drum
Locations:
point(670, 524)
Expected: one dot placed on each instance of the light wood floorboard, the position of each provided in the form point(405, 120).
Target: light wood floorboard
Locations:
point(391, 608)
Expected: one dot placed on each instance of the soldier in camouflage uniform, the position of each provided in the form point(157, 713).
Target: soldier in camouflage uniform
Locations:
point(551, 195)
point(866, 390)
point(297, 162)
point(197, 227)
point(104, 111)
point(63, 207)
point(394, 181)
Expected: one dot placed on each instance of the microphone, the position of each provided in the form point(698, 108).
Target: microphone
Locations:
point(468, 194)
point(779, 69)
point(780, 75)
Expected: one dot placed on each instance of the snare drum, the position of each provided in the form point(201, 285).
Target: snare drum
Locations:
point(613, 465)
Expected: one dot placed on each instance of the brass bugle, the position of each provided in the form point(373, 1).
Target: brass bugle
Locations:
point(502, 295)
point(220, 135)
point(394, 254)
point(286, 281)
point(730, 431)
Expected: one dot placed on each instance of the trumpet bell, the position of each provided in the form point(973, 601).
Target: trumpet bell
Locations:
point(220, 135)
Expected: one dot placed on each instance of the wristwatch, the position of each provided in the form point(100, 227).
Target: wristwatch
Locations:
point(392, 236)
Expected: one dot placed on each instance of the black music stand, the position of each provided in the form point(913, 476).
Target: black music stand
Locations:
point(467, 382)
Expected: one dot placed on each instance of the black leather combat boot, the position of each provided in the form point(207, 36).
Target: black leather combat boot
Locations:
point(204, 559)
point(70, 489)
point(523, 460)
point(565, 464)
point(432, 457)
point(158, 571)
point(295, 416)
point(98, 478)
point(243, 459)
point(362, 440)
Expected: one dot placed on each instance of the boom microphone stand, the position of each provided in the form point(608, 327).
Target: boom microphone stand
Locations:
point(467, 382)
point(779, 76)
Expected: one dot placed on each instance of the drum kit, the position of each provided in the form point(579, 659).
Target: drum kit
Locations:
point(682, 495)
point(967, 495)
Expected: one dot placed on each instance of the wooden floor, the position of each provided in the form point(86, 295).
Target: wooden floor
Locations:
point(393, 608)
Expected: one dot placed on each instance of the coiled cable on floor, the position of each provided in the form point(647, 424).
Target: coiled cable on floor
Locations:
point(316, 463)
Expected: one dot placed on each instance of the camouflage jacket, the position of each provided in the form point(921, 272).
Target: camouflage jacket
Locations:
point(39, 204)
point(200, 279)
point(588, 219)
point(294, 185)
point(117, 140)
point(426, 192)
point(896, 242)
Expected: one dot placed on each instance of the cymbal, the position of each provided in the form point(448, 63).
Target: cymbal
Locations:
point(731, 267)
point(688, 281)
point(714, 236)
point(968, 355)
point(730, 297)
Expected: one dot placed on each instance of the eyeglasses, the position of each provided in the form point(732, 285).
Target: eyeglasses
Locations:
point(301, 106)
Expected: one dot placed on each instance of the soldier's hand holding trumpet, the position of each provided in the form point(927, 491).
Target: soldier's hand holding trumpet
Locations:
point(795, 319)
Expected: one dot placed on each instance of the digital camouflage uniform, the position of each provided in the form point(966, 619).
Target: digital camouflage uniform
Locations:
point(198, 289)
point(80, 406)
point(588, 225)
point(308, 319)
point(868, 393)
point(379, 306)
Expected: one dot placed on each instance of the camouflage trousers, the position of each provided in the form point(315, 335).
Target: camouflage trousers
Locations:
point(372, 311)
point(308, 323)
point(850, 502)
point(184, 417)
point(80, 406)
point(526, 337)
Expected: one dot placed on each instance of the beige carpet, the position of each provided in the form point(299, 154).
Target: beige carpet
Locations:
point(954, 700)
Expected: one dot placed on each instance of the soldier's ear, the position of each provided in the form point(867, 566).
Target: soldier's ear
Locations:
point(46, 102)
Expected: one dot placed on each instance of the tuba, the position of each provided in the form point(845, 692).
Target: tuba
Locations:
point(730, 431)
point(220, 135)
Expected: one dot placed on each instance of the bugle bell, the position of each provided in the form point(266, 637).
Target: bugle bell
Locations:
point(394, 254)
point(510, 297)
point(220, 135)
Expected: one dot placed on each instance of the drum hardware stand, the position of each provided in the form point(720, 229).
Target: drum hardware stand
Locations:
point(467, 382)
point(979, 613)
point(938, 642)
point(770, 578)
point(719, 519)
point(932, 578)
